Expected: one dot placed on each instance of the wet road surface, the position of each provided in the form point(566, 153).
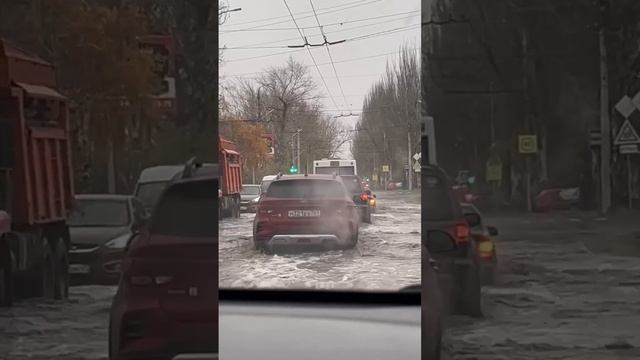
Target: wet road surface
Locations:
point(77, 329)
point(387, 256)
point(557, 296)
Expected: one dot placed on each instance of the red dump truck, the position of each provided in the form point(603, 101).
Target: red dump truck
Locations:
point(36, 183)
point(230, 178)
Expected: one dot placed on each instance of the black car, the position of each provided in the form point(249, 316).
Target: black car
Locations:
point(354, 185)
point(100, 227)
point(459, 270)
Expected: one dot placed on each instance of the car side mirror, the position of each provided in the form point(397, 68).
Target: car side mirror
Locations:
point(139, 224)
point(439, 242)
point(472, 219)
point(493, 231)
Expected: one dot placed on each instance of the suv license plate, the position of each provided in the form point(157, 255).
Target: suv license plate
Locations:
point(304, 213)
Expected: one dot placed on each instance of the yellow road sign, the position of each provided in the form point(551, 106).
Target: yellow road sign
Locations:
point(527, 144)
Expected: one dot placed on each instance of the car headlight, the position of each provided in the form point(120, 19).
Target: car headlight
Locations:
point(118, 243)
point(255, 200)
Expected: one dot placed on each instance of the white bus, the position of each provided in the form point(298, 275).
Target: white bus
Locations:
point(338, 166)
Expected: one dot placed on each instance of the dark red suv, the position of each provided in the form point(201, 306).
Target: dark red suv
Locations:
point(306, 210)
point(167, 303)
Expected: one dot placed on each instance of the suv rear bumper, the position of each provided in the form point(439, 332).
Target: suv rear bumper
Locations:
point(305, 239)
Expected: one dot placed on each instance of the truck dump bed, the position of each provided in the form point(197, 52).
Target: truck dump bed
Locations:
point(35, 159)
point(231, 167)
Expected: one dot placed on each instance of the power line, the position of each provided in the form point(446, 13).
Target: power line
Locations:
point(304, 17)
point(329, 52)
point(247, 46)
point(358, 38)
point(310, 54)
point(321, 64)
point(414, 12)
point(301, 13)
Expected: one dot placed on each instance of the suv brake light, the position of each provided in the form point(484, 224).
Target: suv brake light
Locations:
point(461, 232)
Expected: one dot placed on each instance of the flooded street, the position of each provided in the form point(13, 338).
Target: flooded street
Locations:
point(556, 296)
point(387, 256)
point(73, 330)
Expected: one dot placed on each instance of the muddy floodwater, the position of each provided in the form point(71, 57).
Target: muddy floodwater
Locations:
point(568, 287)
point(387, 256)
point(559, 294)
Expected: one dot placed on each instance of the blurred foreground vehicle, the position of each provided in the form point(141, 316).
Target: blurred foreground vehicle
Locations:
point(306, 210)
point(485, 245)
point(101, 225)
point(459, 270)
point(166, 303)
point(433, 242)
point(36, 179)
point(249, 197)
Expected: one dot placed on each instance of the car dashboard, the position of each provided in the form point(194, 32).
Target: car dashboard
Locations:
point(316, 325)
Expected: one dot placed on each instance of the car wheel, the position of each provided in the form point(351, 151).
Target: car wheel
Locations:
point(6, 276)
point(354, 238)
point(61, 259)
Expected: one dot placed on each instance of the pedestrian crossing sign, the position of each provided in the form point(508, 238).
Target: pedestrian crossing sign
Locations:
point(627, 134)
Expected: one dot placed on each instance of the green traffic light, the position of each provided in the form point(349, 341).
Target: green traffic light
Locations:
point(293, 169)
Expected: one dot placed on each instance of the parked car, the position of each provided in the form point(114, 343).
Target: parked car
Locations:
point(306, 210)
point(459, 275)
point(359, 196)
point(249, 197)
point(484, 243)
point(166, 304)
point(266, 181)
point(100, 226)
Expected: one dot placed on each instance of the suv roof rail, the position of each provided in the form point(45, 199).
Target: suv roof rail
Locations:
point(279, 176)
point(189, 167)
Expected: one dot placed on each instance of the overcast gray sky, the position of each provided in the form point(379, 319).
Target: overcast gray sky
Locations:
point(257, 37)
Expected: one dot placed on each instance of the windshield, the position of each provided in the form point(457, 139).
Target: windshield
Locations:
point(99, 213)
point(306, 189)
point(352, 183)
point(250, 190)
point(265, 185)
point(438, 199)
point(188, 210)
point(352, 116)
point(148, 193)
point(338, 170)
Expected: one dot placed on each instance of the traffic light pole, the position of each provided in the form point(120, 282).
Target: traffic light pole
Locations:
point(298, 152)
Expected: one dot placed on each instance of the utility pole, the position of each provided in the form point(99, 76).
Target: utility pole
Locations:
point(527, 118)
point(410, 177)
point(491, 120)
point(605, 126)
point(384, 157)
point(298, 163)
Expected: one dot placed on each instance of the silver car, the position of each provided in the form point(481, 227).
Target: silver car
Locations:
point(249, 197)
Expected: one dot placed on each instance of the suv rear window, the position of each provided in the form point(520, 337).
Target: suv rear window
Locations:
point(306, 189)
point(437, 204)
point(188, 209)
